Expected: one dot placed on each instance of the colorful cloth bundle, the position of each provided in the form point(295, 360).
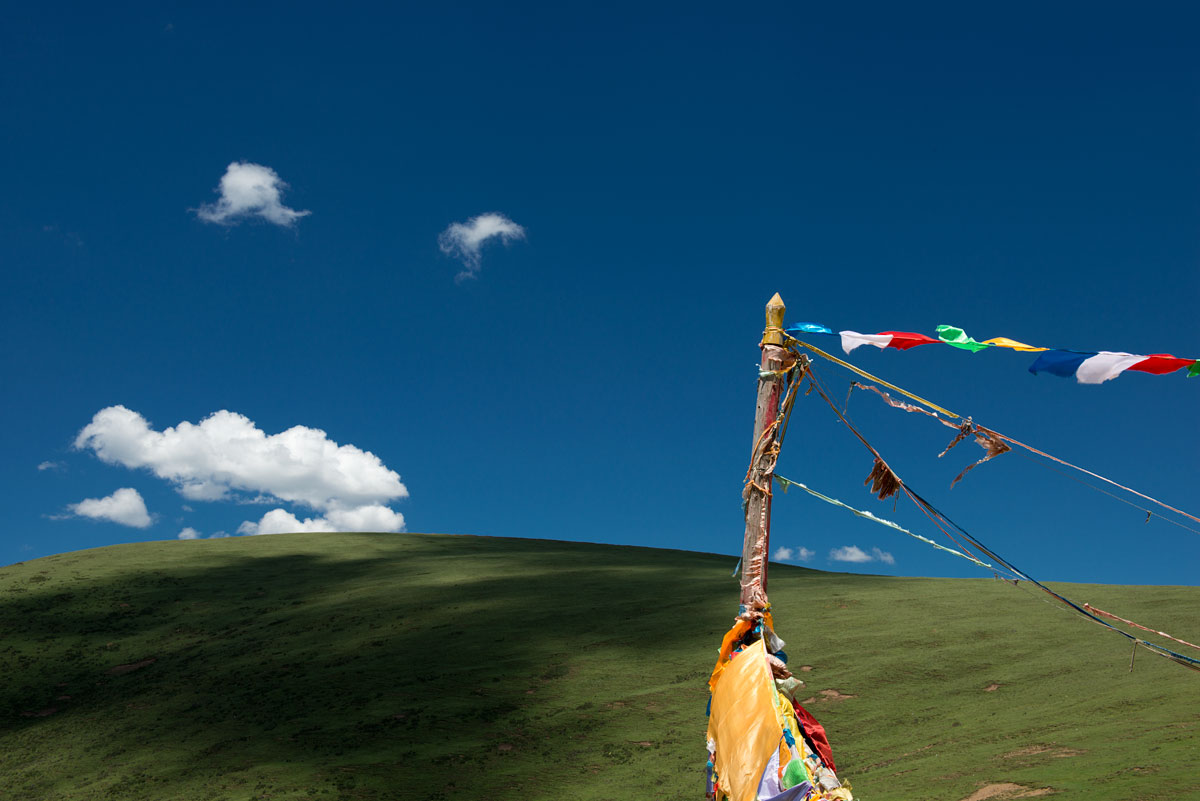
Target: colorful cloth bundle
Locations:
point(762, 745)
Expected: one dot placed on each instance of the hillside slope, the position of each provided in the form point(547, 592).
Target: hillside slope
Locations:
point(360, 666)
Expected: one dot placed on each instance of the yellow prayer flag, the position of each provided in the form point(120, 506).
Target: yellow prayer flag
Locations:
point(1005, 342)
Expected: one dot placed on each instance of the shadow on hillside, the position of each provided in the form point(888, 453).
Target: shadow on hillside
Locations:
point(403, 660)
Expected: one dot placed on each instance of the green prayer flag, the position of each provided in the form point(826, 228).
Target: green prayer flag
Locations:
point(958, 338)
point(1194, 370)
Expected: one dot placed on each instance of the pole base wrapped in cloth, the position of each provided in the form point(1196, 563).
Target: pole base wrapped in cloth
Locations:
point(758, 749)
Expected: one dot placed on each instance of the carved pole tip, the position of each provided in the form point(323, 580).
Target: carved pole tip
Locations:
point(773, 335)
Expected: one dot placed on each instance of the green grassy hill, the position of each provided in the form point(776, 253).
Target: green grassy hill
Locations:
point(359, 666)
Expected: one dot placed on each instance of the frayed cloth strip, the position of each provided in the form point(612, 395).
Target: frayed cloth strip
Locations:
point(1111, 616)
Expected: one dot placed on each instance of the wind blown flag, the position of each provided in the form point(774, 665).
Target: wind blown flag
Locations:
point(900, 340)
point(1096, 368)
point(958, 338)
point(1088, 367)
point(1005, 342)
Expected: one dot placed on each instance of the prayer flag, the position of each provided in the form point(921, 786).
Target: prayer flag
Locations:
point(1005, 342)
point(958, 338)
point(1088, 368)
point(1105, 366)
point(1059, 362)
point(900, 340)
point(853, 339)
point(808, 328)
point(1160, 364)
point(903, 340)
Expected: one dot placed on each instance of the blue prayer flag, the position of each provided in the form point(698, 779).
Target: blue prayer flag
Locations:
point(1059, 362)
point(808, 328)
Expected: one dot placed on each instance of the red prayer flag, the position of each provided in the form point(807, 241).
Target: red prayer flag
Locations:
point(1160, 364)
point(903, 340)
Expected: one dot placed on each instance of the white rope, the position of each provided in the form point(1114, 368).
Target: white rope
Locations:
point(786, 482)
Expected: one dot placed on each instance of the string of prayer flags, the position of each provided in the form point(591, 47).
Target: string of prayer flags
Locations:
point(1087, 367)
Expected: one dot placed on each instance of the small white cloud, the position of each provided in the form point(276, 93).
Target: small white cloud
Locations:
point(249, 190)
point(125, 506)
point(464, 241)
point(852, 553)
point(883, 556)
point(189, 533)
point(849, 553)
point(798, 554)
point(51, 466)
point(218, 535)
point(369, 517)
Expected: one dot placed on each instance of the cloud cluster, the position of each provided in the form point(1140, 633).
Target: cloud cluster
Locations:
point(465, 241)
point(226, 454)
point(374, 517)
point(249, 190)
point(798, 554)
point(852, 553)
point(125, 506)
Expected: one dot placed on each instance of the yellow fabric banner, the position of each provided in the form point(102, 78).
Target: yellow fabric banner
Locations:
point(743, 723)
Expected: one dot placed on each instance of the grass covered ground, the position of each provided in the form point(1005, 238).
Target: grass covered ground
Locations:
point(358, 666)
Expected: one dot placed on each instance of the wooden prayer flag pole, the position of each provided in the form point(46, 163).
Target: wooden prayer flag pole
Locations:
point(776, 360)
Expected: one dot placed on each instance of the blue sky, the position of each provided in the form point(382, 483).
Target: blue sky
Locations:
point(658, 172)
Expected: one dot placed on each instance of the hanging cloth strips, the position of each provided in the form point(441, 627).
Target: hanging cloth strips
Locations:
point(787, 482)
point(874, 378)
point(1088, 367)
point(988, 440)
point(995, 435)
point(938, 517)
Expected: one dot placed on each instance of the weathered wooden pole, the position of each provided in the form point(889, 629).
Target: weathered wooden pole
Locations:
point(776, 360)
